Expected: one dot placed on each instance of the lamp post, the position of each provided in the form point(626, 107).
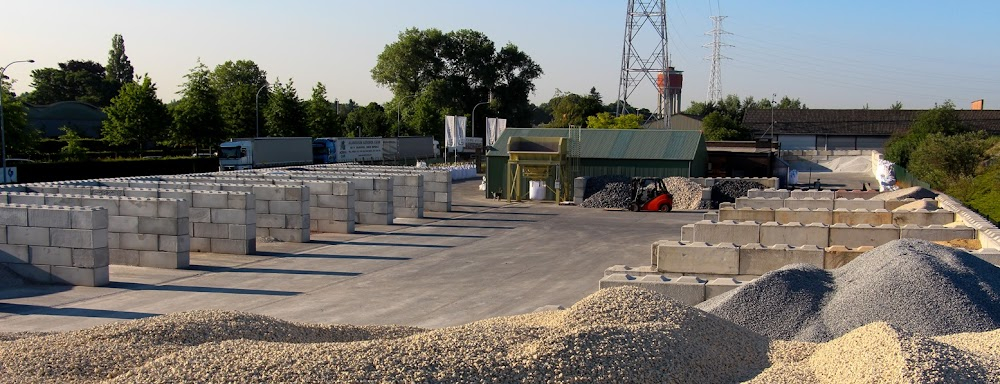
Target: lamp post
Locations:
point(474, 117)
point(257, 101)
point(3, 133)
point(398, 115)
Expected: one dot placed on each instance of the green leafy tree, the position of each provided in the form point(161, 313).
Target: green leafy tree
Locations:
point(74, 149)
point(942, 160)
point(197, 120)
point(896, 106)
point(942, 119)
point(21, 139)
point(119, 70)
point(718, 126)
point(236, 83)
point(321, 117)
point(609, 121)
point(284, 113)
point(572, 109)
point(136, 116)
point(73, 81)
point(370, 118)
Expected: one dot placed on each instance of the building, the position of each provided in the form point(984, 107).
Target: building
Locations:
point(680, 121)
point(847, 129)
point(597, 152)
point(85, 118)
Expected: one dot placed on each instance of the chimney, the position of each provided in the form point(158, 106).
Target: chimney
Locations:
point(977, 105)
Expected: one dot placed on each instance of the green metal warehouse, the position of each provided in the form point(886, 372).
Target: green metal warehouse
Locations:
point(598, 152)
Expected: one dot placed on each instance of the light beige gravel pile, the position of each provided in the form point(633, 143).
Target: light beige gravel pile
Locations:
point(686, 193)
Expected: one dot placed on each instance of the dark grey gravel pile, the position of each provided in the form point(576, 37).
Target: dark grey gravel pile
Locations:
point(727, 191)
point(608, 192)
point(911, 284)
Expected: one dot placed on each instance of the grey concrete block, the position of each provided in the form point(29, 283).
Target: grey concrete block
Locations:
point(138, 241)
point(123, 224)
point(758, 203)
point(210, 200)
point(802, 215)
point(158, 225)
point(51, 255)
point(860, 216)
point(716, 287)
point(138, 207)
point(808, 203)
point(49, 217)
point(14, 254)
point(78, 238)
point(201, 244)
point(210, 230)
point(923, 217)
point(167, 243)
point(234, 247)
point(937, 232)
point(855, 204)
point(14, 215)
point(761, 215)
point(89, 277)
point(173, 208)
point(374, 218)
point(165, 260)
point(37, 273)
point(88, 218)
point(26, 199)
point(794, 234)
point(200, 215)
point(687, 232)
point(111, 205)
point(727, 232)
point(697, 257)
point(240, 201)
point(91, 258)
point(241, 232)
point(285, 207)
point(862, 235)
point(296, 222)
point(270, 221)
point(28, 235)
point(232, 216)
point(331, 226)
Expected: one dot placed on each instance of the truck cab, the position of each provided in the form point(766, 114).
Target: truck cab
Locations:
point(324, 151)
point(235, 155)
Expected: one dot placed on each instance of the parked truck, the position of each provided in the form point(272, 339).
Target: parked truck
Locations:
point(406, 148)
point(263, 152)
point(346, 149)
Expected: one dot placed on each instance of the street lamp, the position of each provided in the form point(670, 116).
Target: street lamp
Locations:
point(257, 100)
point(474, 117)
point(398, 119)
point(3, 134)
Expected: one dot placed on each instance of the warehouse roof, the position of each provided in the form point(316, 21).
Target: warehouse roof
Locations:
point(876, 122)
point(636, 144)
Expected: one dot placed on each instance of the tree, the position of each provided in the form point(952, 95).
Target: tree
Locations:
point(942, 119)
point(942, 160)
point(718, 126)
point(608, 121)
point(321, 117)
point(119, 70)
point(197, 120)
point(236, 84)
point(284, 111)
point(370, 118)
point(73, 81)
point(572, 109)
point(21, 139)
point(73, 150)
point(136, 116)
point(896, 106)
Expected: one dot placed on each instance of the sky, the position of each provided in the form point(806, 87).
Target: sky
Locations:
point(828, 54)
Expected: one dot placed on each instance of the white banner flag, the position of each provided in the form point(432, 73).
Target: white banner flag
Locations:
point(449, 131)
point(491, 131)
point(501, 126)
point(459, 132)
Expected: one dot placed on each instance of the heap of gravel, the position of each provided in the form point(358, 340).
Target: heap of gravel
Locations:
point(906, 193)
point(911, 284)
point(612, 192)
point(726, 191)
point(621, 334)
point(686, 193)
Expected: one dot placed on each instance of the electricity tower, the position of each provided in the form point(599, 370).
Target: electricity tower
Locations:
point(644, 57)
point(715, 80)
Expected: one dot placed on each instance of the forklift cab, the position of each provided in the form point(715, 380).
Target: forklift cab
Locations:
point(650, 194)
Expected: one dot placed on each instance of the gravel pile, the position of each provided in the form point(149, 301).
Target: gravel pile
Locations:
point(686, 193)
point(905, 193)
point(911, 284)
point(726, 191)
point(612, 192)
point(615, 335)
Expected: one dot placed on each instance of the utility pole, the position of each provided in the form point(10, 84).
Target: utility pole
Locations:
point(644, 57)
point(715, 80)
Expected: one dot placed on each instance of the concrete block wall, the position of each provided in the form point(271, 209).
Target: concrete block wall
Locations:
point(437, 183)
point(855, 194)
point(862, 216)
point(838, 255)
point(762, 215)
point(853, 204)
point(803, 215)
point(936, 232)
point(813, 194)
point(758, 259)
point(986, 232)
point(863, 234)
point(759, 202)
point(795, 234)
point(579, 189)
point(769, 193)
point(220, 221)
point(697, 257)
point(331, 203)
point(55, 244)
point(145, 232)
point(688, 290)
point(924, 217)
point(407, 188)
point(737, 232)
point(282, 210)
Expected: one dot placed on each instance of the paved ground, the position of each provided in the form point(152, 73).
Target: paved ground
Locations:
point(485, 259)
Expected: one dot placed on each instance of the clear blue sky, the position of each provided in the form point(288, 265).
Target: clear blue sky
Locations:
point(830, 54)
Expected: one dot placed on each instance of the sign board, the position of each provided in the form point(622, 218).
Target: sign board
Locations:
point(472, 144)
point(10, 175)
point(359, 149)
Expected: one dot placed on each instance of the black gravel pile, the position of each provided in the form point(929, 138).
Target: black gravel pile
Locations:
point(613, 192)
point(727, 191)
point(912, 284)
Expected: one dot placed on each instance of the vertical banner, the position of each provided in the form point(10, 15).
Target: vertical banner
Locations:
point(501, 126)
point(491, 131)
point(459, 132)
point(449, 131)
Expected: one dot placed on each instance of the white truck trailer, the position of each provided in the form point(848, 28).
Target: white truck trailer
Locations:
point(263, 152)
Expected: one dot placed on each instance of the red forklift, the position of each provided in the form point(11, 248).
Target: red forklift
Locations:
point(650, 194)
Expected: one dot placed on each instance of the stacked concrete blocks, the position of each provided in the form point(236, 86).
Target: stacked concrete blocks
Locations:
point(55, 244)
point(856, 204)
point(862, 216)
point(437, 183)
point(761, 215)
point(838, 255)
point(768, 193)
point(923, 217)
point(737, 232)
point(697, 258)
point(803, 215)
point(795, 234)
point(579, 189)
point(808, 203)
point(936, 232)
point(812, 194)
point(759, 203)
point(758, 259)
point(862, 234)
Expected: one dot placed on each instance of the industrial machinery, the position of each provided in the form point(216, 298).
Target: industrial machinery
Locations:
point(650, 194)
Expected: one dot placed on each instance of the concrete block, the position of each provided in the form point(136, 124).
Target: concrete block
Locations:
point(923, 217)
point(813, 194)
point(210, 200)
point(697, 257)
point(158, 225)
point(14, 254)
point(991, 255)
point(374, 218)
point(290, 235)
point(718, 286)
point(111, 205)
point(382, 208)
point(364, 206)
point(769, 193)
point(855, 204)
point(331, 226)
point(234, 247)
point(297, 222)
point(241, 232)
point(856, 194)
point(173, 208)
point(240, 201)
point(808, 203)
point(758, 203)
point(744, 232)
point(14, 215)
point(892, 205)
point(232, 216)
point(285, 207)
point(795, 234)
point(270, 221)
point(90, 258)
point(374, 195)
point(167, 243)
point(687, 232)
point(165, 260)
point(762, 215)
point(138, 241)
point(839, 255)
point(335, 201)
point(51, 255)
point(862, 235)
point(123, 224)
point(200, 215)
point(688, 290)
point(138, 207)
point(88, 218)
point(713, 216)
point(201, 244)
point(49, 217)
point(89, 277)
point(936, 232)
point(28, 235)
point(210, 230)
point(803, 215)
point(26, 199)
point(37, 273)
point(320, 187)
point(861, 216)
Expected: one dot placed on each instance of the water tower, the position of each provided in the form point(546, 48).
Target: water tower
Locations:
point(670, 91)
